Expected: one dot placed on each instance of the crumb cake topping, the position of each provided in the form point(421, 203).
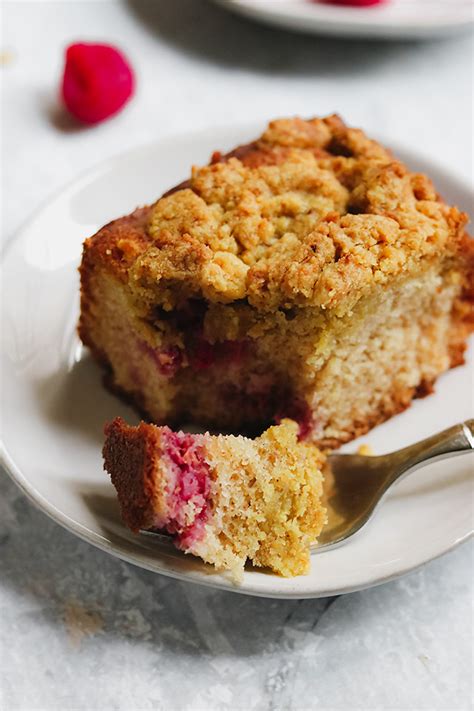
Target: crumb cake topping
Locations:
point(312, 213)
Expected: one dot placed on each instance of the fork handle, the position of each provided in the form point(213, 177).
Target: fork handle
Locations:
point(448, 443)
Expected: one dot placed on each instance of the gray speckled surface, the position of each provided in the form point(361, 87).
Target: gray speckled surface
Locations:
point(81, 630)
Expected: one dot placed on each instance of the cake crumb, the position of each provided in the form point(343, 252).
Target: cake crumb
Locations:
point(80, 622)
point(365, 450)
point(7, 57)
point(424, 659)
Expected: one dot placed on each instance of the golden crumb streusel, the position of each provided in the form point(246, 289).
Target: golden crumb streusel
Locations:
point(309, 212)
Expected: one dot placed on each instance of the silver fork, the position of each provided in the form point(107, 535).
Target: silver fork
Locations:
point(356, 484)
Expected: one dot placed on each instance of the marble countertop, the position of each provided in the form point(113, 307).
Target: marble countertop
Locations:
point(81, 630)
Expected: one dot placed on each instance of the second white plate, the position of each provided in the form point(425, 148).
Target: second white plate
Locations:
point(395, 19)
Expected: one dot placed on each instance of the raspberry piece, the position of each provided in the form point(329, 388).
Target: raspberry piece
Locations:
point(169, 360)
point(203, 355)
point(97, 81)
point(354, 3)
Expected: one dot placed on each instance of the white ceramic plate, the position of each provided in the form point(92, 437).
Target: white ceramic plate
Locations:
point(54, 406)
point(396, 19)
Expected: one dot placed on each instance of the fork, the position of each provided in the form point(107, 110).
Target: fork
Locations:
point(357, 484)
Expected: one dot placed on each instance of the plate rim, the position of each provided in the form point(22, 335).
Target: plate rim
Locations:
point(344, 21)
point(94, 539)
point(215, 581)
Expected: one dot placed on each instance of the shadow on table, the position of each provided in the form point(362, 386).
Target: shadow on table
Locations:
point(52, 109)
point(59, 572)
point(81, 597)
point(202, 29)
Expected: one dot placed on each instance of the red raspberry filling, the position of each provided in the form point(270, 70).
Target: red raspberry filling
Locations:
point(203, 355)
point(97, 81)
point(187, 487)
point(169, 360)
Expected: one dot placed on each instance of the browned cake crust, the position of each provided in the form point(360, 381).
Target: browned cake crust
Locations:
point(129, 456)
point(305, 231)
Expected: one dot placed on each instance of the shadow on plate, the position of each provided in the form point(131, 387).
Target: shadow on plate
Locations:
point(76, 399)
point(427, 481)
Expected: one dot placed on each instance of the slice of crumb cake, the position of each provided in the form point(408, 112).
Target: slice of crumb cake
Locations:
point(225, 499)
point(308, 275)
